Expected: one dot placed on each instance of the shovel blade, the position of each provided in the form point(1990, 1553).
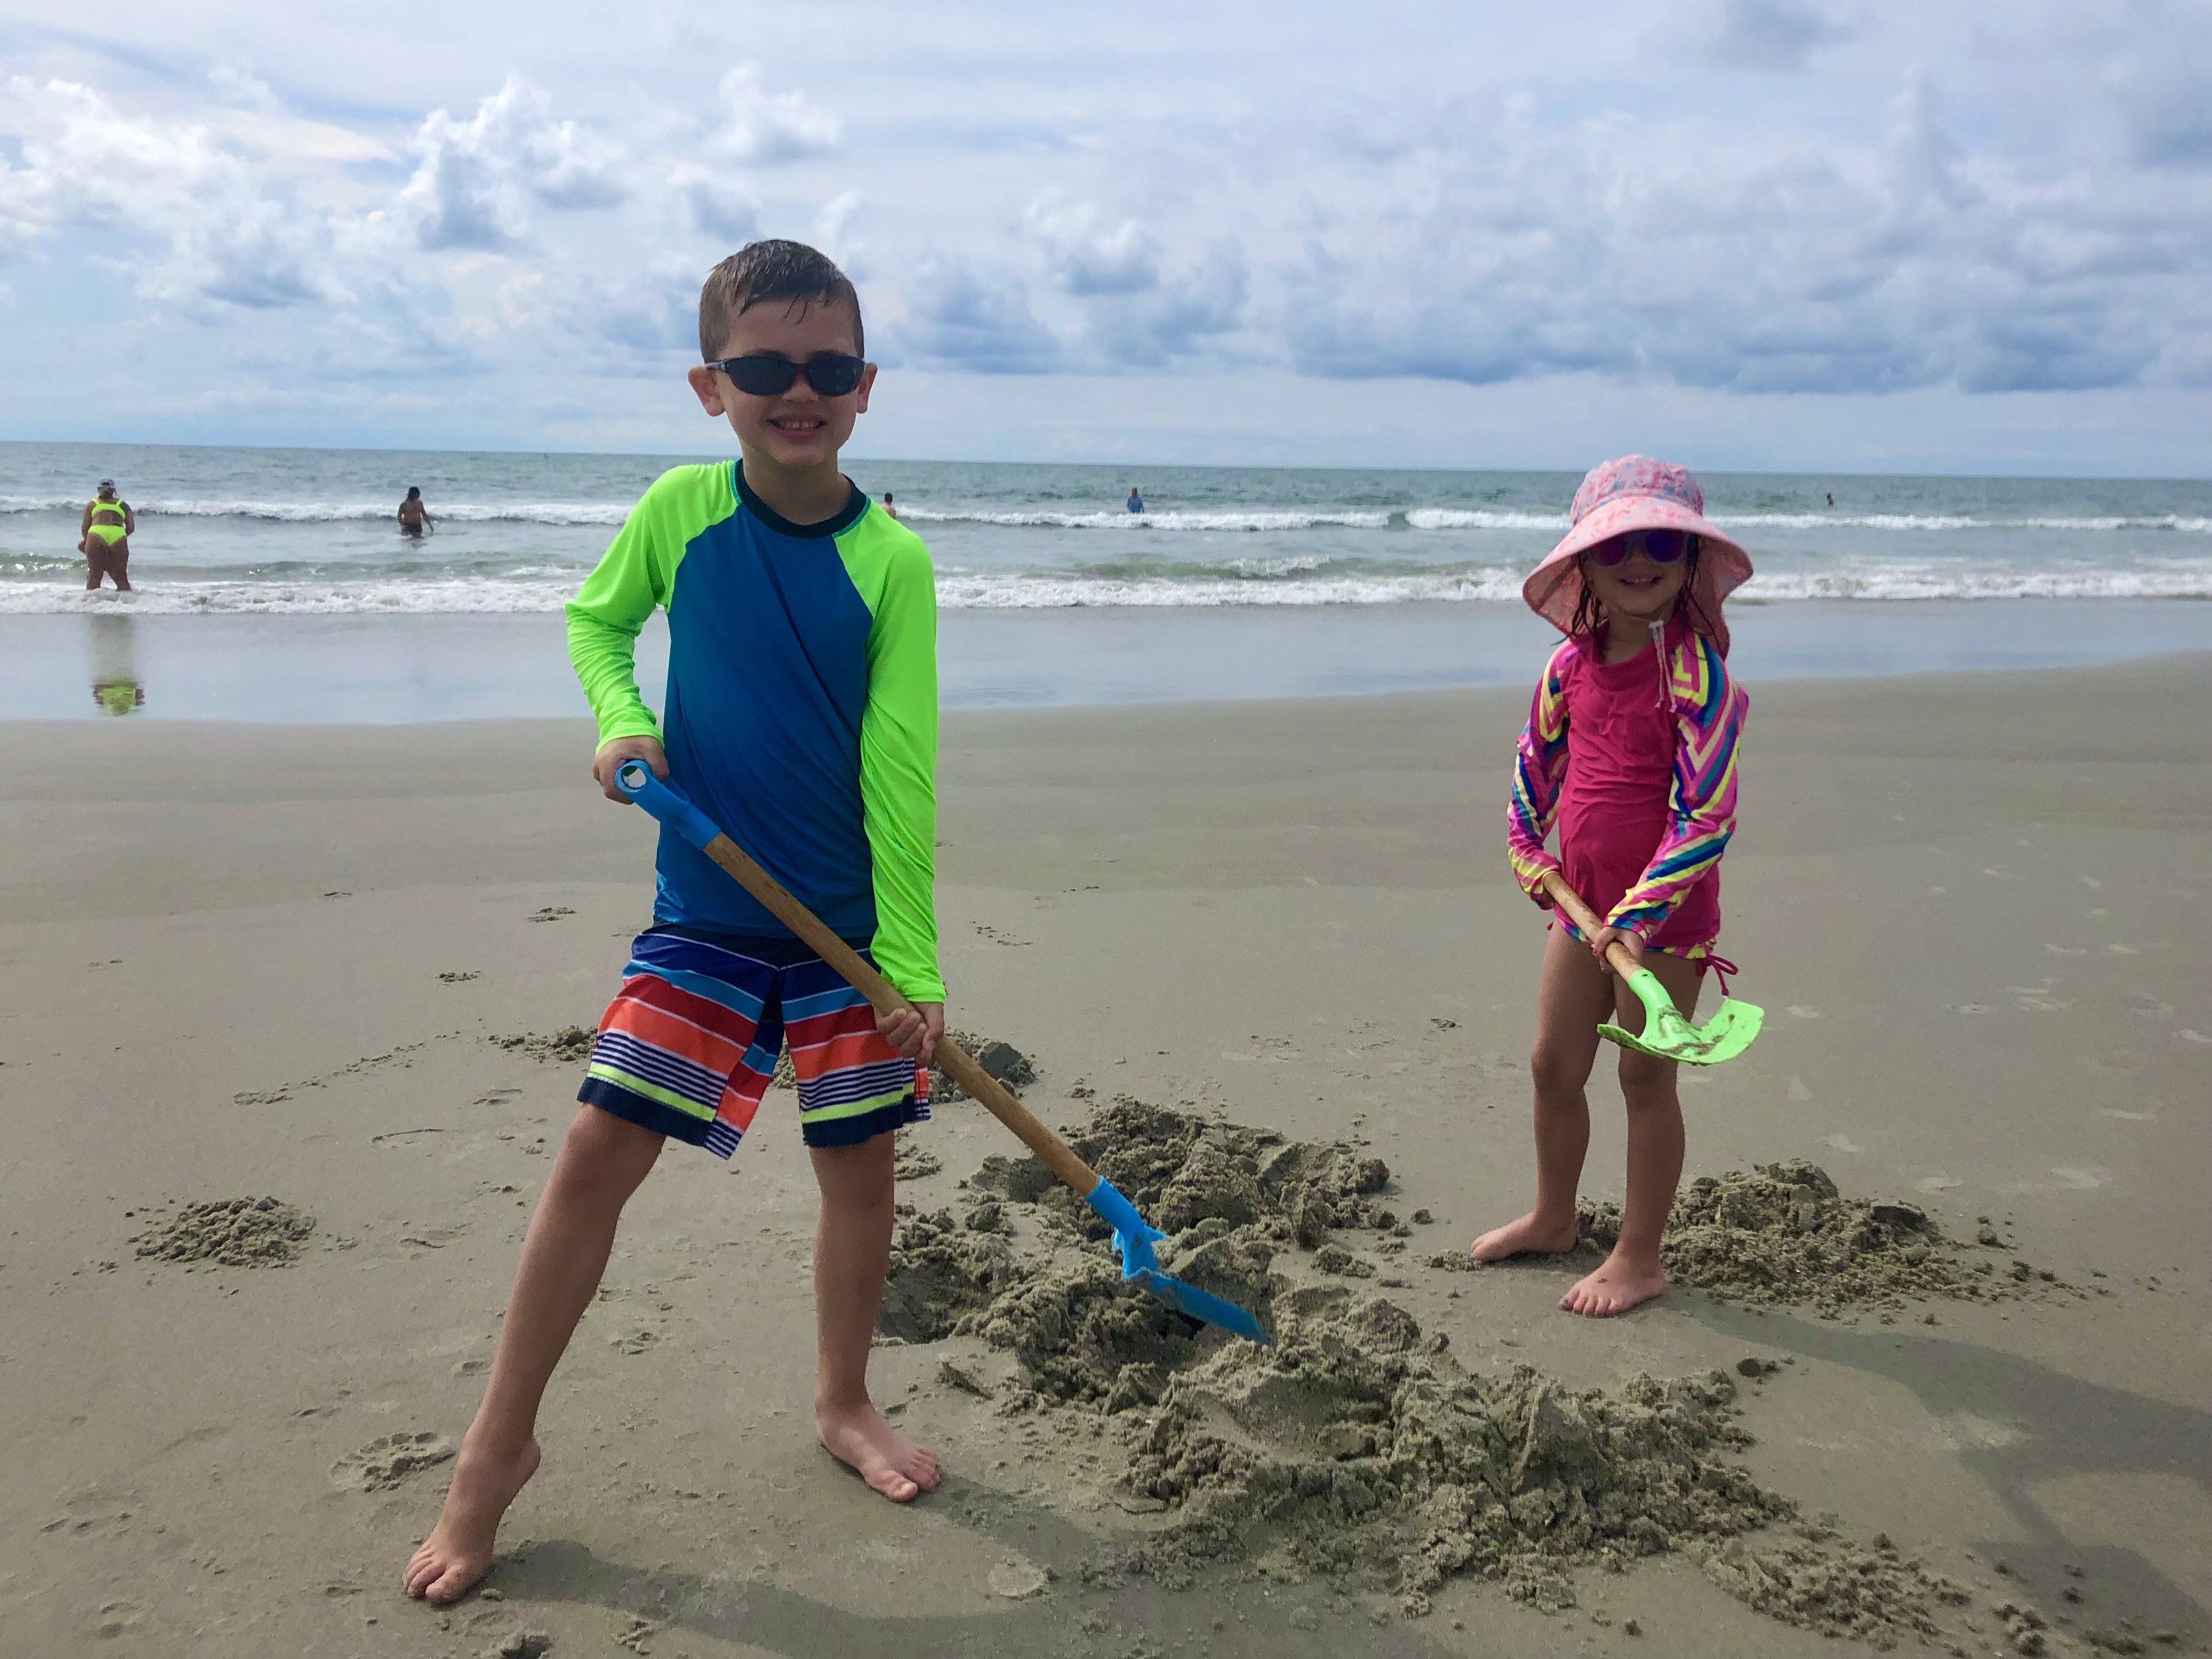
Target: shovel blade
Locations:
point(1668, 1036)
point(1202, 1304)
point(1133, 1240)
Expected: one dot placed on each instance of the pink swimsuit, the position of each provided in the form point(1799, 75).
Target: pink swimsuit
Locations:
point(1637, 768)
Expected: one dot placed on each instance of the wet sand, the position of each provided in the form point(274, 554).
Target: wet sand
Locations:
point(245, 961)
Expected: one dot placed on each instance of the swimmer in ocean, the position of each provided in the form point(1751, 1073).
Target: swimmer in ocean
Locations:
point(108, 525)
point(414, 517)
point(1136, 502)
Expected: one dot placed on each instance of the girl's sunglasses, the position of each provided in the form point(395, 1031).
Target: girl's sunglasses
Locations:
point(767, 376)
point(1660, 546)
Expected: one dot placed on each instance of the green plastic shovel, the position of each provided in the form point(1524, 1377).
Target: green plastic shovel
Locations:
point(1666, 1035)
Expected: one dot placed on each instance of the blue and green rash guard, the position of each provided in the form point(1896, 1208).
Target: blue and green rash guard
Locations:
point(801, 709)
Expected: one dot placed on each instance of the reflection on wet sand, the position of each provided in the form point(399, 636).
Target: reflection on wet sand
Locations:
point(116, 686)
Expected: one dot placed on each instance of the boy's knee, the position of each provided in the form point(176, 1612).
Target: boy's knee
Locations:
point(1645, 1081)
point(604, 1153)
point(856, 1177)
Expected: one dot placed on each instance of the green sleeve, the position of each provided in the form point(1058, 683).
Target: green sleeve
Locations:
point(898, 750)
point(637, 574)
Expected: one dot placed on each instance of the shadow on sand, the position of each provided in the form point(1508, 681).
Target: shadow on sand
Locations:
point(1256, 1619)
point(2055, 1425)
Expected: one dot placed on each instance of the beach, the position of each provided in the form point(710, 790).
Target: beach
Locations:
point(276, 959)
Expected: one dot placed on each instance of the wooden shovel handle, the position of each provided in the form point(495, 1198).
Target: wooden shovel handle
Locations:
point(1056, 1154)
point(1616, 955)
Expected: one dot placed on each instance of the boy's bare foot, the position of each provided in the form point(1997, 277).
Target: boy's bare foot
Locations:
point(858, 1437)
point(457, 1554)
point(1615, 1288)
point(1527, 1237)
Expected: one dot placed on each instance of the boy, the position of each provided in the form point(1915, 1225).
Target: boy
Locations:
point(802, 717)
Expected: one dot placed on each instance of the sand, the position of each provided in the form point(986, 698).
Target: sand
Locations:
point(1782, 1233)
point(249, 961)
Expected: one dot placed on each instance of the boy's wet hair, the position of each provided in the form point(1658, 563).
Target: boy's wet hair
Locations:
point(764, 272)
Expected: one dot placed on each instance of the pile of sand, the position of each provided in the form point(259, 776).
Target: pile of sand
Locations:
point(569, 1043)
point(231, 1233)
point(1782, 1233)
point(1354, 1445)
point(999, 1060)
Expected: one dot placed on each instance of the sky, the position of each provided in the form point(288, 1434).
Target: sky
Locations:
point(1824, 234)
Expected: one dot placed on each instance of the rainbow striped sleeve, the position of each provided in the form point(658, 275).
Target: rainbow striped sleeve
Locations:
point(1540, 766)
point(1708, 715)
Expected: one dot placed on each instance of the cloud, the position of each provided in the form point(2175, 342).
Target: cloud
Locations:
point(478, 178)
point(1084, 255)
point(768, 129)
point(1514, 254)
point(719, 207)
point(1774, 35)
point(959, 317)
point(209, 228)
point(2020, 217)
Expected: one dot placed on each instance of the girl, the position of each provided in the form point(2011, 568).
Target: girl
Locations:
point(1630, 749)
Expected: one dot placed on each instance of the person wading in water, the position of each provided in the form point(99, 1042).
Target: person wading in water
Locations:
point(108, 525)
point(414, 516)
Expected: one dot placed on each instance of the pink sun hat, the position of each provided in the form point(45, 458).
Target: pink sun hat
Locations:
point(1637, 492)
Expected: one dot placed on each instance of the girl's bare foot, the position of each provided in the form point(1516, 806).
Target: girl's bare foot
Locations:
point(1532, 1235)
point(858, 1437)
point(1615, 1288)
point(457, 1554)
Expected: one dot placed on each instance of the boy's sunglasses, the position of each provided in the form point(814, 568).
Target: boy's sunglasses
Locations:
point(767, 376)
point(1660, 546)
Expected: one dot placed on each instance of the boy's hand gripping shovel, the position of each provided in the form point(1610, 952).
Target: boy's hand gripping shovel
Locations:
point(1667, 1035)
point(1132, 1238)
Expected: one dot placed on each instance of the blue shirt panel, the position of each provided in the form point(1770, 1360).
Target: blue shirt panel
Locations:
point(768, 681)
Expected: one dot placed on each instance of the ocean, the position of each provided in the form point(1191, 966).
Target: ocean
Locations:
point(274, 584)
point(310, 531)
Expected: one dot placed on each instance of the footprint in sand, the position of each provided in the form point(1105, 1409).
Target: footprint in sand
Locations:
point(118, 1618)
point(384, 1462)
point(2122, 951)
point(1970, 1007)
point(2066, 950)
point(1935, 1183)
point(1800, 1011)
point(2187, 1036)
point(1798, 1091)
point(1841, 1143)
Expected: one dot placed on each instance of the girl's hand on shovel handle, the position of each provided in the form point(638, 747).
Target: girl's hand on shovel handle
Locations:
point(914, 1031)
point(1629, 942)
point(615, 751)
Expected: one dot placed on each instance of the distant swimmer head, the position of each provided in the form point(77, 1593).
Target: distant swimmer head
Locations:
point(108, 483)
point(414, 492)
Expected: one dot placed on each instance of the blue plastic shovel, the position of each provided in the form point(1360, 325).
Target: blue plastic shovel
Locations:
point(1132, 1238)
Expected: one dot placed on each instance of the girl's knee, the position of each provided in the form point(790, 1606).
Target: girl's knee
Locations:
point(1645, 1081)
point(1554, 1067)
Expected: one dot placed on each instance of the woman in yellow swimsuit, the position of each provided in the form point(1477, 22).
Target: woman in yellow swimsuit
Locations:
point(109, 524)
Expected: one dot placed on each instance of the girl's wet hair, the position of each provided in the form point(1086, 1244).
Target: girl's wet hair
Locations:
point(1589, 613)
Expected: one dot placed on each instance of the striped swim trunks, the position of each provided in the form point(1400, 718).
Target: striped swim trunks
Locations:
point(689, 1044)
